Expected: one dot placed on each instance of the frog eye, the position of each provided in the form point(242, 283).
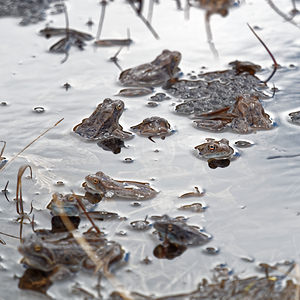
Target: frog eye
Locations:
point(37, 248)
point(170, 227)
point(119, 106)
point(96, 181)
point(212, 147)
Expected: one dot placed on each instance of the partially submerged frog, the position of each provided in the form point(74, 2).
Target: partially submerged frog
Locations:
point(48, 32)
point(154, 126)
point(214, 6)
point(63, 205)
point(108, 187)
point(162, 68)
point(177, 232)
point(245, 116)
point(104, 122)
point(60, 252)
point(215, 149)
point(67, 205)
point(295, 117)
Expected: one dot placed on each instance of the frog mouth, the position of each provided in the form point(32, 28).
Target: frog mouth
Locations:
point(90, 188)
point(37, 260)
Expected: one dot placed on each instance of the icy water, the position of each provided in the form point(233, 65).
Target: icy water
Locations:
point(253, 205)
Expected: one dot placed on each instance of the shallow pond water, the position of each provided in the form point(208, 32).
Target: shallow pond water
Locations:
point(252, 206)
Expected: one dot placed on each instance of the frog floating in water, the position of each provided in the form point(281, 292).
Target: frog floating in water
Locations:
point(245, 116)
point(154, 126)
point(60, 252)
point(104, 122)
point(67, 205)
point(295, 117)
point(106, 186)
point(48, 32)
point(162, 68)
point(175, 231)
point(214, 6)
point(215, 149)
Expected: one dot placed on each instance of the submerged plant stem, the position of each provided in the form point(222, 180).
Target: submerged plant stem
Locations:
point(275, 66)
point(101, 20)
point(149, 26)
point(209, 36)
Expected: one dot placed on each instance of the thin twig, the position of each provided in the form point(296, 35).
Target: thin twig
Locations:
point(101, 20)
point(283, 15)
point(9, 235)
point(275, 65)
point(209, 36)
point(150, 11)
point(4, 191)
point(67, 21)
point(114, 59)
point(187, 10)
point(86, 214)
point(19, 199)
point(149, 26)
point(42, 134)
point(2, 151)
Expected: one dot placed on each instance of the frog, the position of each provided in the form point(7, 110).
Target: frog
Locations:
point(103, 123)
point(176, 231)
point(295, 117)
point(60, 252)
point(155, 73)
point(214, 6)
point(48, 32)
point(63, 205)
point(108, 187)
point(215, 149)
point(67, 205)
point(245, 116)
point(153, 126)
point(245, 67)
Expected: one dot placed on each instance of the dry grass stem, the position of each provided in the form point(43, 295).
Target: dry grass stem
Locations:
point(275, 65)
point(42, 134)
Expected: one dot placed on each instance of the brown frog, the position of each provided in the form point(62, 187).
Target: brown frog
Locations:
point(214, 6)
point(106, 186)
point(177, 232)
point(215, 149)
point(60, 252)
point(162, 68)
point(154, 126)
point(246, 115)
point(104, 122)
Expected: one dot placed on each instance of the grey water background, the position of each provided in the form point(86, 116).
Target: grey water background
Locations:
point(253, 205)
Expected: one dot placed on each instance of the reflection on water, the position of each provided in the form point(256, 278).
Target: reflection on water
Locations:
point(168, 251)
point(218, 163)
